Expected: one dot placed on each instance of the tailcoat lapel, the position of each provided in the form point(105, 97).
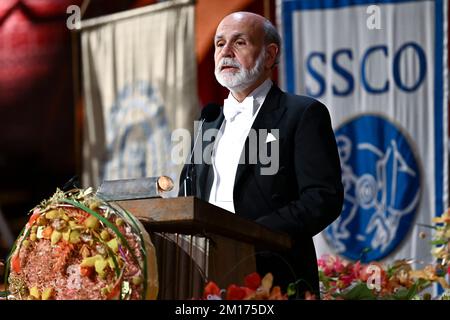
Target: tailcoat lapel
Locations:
point(267, 118)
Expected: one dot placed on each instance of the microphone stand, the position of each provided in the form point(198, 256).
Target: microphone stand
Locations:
point(190, 188)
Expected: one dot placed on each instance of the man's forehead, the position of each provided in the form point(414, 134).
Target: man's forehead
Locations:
point(237, 27)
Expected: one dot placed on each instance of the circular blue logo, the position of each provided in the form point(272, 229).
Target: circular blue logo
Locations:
point(381, 181)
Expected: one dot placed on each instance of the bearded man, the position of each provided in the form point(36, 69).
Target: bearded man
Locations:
point(301, 192)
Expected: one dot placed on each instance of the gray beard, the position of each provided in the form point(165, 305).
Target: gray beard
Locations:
point(244, 78)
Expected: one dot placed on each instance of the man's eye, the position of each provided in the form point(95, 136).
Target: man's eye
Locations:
point(219, 44)
point(240, 43)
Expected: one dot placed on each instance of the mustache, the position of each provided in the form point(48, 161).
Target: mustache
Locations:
point(228, 62)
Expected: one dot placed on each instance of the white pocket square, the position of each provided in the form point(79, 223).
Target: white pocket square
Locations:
point(270, 138)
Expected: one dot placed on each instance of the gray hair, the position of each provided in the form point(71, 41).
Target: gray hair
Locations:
point(271, 36)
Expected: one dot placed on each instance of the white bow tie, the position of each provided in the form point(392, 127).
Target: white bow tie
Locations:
point(231, 108)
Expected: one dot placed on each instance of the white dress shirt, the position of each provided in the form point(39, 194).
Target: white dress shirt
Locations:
point(239, 118)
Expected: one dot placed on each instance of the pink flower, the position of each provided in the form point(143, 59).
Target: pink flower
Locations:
point(321, 262)
point(331, 265)
point(327, 296)
point(339, 265)
point(309, 296)
point(325, 264)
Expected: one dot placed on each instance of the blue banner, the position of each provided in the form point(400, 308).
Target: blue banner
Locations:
point(381, 69)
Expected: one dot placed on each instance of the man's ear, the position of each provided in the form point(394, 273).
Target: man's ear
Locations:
point(272, 51)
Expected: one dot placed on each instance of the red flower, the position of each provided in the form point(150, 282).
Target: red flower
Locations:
point(235, 293)
point(253, 281)
point(346, 280)
point(448, 270)
point(356, 269)
point(211, 289)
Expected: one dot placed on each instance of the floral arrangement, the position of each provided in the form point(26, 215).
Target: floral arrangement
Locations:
point(254, 288)
point(77, 246)
point(345, 280)
point(440, 249)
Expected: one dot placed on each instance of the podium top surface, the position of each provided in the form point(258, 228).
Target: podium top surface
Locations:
point(190, 215)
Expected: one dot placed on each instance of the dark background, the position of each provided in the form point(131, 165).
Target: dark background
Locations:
point(40, 100)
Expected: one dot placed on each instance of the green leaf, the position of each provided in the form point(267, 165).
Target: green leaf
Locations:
point(324, 279)
point(439, 242)
point(291, 289)
point(409, 294)
point(390, 271)
point(404, 294)
point(359, 292)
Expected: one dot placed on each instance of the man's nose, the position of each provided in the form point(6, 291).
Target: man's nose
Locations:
point(227, 51)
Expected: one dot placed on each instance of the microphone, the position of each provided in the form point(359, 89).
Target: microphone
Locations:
point(209, 113)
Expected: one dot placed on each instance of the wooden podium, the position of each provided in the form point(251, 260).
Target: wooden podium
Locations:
point(196, 242)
